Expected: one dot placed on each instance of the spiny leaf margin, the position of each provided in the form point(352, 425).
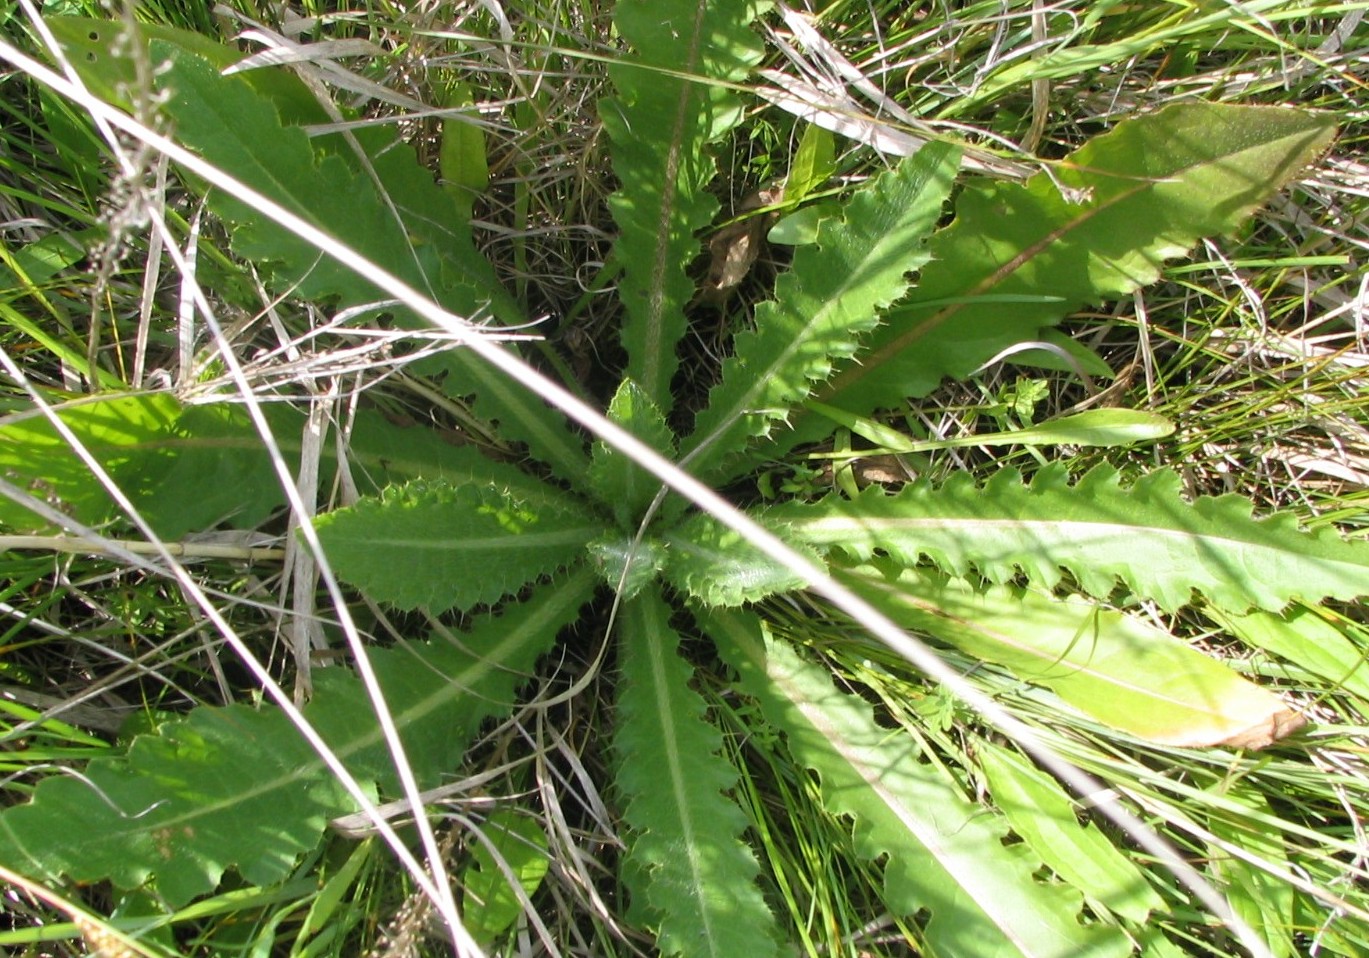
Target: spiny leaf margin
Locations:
point(238, 787)
point(674, 97)
point(1147, 536)
point(689, 864)
point(832, 293)
point(439, 546)
point(944, 853)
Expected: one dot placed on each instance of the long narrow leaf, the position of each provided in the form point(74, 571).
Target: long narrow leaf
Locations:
point(1115, 668)
point(830, 296)
point(674, 98)
point(237, 786)
point(945, 854)
point(694, 872)
point(1146, 536)
point(1101, 224)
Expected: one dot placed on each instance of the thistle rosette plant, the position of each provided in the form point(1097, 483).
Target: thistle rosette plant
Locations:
point(885, 302)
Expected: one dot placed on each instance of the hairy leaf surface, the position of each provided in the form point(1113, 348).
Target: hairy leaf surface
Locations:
point(673, 100)
point(440, 546)
point(238, 787)
point(1121, 671)
point(1137, 196)
point(615, 478)
point(692, 869)
point(1147, 536)
point(718, 566)
point(945, 853)
point(830, 296)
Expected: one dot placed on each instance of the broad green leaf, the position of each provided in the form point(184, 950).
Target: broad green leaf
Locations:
point(237, 787)
point(461, 157)
point(1304, 636)
point(718, 566)
point(831, 294)
point(1132, 198)
point(187, 469)
point(688, 862)
point(106, 56)
point(943, 853)
point(440, 546)
point(490, 904)
point(616, 479)
point(1147, 536)
point(386, 207)
point(674, 97)
point(1043, 814)
point(1113, 667)
point(118, 430)
point(626, 565)
point(813, 165)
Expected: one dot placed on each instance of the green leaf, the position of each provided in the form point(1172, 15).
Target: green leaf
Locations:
point(1138, 195)
point(238, 787)
point(800, 228)
point(461, 157)
point(1303, 635)
point(675, 96)
point(106, 57)
point(687, 860)
point(831, 294)
point(1047, 819)
point(813, 165)
point(187, 469)
point(490, 904)
point(626, 565)
point(718, 566)
point(439, 546)
point(1147, 536)
point(1119, 670)
point(1096, 427)
point(615, 479)
point(943, 852)
point(387, 208)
